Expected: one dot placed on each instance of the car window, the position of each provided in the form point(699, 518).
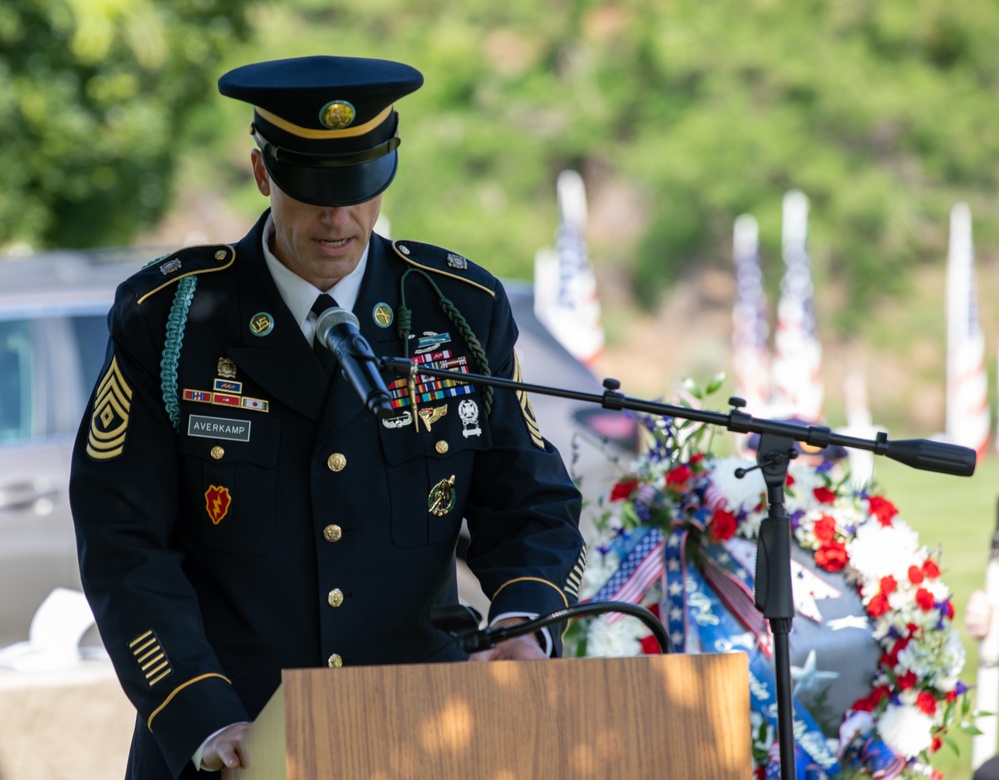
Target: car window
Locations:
point(48, 366)
point(16, 370)
point(90, 334)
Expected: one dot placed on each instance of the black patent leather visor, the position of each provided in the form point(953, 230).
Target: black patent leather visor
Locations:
point(332, 181)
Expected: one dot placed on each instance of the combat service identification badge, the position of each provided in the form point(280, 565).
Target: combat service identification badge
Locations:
point(217, 501)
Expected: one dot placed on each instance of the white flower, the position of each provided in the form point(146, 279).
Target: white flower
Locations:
point(937, 657)
point(599, 569)
point(614, 640)
point(906, 730)
point(877, 551)
point(742, 493)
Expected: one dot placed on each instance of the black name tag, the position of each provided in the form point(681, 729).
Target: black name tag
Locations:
point(218, 428)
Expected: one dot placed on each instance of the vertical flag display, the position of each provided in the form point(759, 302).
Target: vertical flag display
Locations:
point(750, 333)
point(967, 416)
point(797, 364)
point(565, 289)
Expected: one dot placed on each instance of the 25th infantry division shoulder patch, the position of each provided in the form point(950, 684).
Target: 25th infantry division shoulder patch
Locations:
point(109, 420)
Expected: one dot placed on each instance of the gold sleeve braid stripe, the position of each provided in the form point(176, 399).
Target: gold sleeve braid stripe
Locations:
point(575, 578)
point(525, 407)
point(109, 420)
point(150, 657)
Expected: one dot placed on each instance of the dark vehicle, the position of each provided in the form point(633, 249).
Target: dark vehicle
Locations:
point(53, 334)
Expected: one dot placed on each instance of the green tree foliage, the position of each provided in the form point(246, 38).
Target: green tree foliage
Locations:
point(680, 115)
point(686, 114)
point(93, 95)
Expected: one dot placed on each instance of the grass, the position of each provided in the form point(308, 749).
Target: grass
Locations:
point(958, 516)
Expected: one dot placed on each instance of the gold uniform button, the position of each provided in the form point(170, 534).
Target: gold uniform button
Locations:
point(337, 461)
point(335, 597)
point(334, 661)
point(332, 533)
point(441, 447)
point(217, 452)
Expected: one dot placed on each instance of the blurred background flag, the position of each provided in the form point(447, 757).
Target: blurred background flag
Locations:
point(565, 289)
point(797, 364)
point(967, 381)
point(750, 332)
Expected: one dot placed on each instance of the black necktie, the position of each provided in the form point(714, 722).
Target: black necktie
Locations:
point(323, 302)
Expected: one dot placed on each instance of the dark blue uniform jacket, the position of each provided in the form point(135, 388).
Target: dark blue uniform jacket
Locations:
point(238, 514)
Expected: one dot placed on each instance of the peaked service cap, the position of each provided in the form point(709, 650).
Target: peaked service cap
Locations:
point(326, 126)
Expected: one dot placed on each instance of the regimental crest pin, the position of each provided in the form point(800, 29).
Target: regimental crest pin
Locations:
point(226, 368)
point(457, 261)
point(442, 497)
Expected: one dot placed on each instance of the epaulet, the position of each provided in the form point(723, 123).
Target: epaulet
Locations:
point(167, 271)
point(444, 262)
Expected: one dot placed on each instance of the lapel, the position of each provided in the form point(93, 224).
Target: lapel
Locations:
point(280, 360)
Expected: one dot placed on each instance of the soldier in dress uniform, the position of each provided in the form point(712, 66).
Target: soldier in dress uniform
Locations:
point(238, 510)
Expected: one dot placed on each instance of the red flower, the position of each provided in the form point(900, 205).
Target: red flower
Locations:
point(878, 605)
point(696, 458)
point(907, 681)
point(926, 702)
point(937, 744)
point(831, 556)
point(890, 658)
point(790, 480)
point(825, 529)
point(623, 489)
point(679, 476)
point(650, 645)
point(925, 600)
point(872, 700)
point(951, 695)
point(722, 525)
point(950, 609)
point(930, 568)
point(915, 575)
point(824, 495)
point(883, 509)
point(888, 585)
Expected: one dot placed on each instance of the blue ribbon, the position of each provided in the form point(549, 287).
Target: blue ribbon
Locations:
point(717, 628)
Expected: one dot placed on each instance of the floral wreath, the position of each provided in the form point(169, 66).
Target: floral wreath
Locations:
point(673, 537)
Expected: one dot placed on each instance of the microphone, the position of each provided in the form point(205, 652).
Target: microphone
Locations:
point(337, 329)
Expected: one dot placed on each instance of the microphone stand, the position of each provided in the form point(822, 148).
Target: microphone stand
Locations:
point(463, 623)
point(773, 595)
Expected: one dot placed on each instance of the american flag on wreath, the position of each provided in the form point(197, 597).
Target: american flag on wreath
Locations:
point(640, 568)
point(797, 366)
point(967, 381)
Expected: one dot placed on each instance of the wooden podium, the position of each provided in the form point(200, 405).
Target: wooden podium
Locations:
point(664, 716)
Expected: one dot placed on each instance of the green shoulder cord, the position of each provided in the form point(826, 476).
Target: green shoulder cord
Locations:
point(176, 321)
point(404, 320)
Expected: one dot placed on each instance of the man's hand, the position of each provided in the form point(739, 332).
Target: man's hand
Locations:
point(978, 614)
point(520, 648)
point(225, 749)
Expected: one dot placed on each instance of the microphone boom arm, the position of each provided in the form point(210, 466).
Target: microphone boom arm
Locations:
point(918, 453)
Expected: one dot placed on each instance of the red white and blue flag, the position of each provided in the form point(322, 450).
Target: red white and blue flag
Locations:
point(797, 364)
point(641, 567)
point(967, 381)
point(565, 288)
point(750, 332)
